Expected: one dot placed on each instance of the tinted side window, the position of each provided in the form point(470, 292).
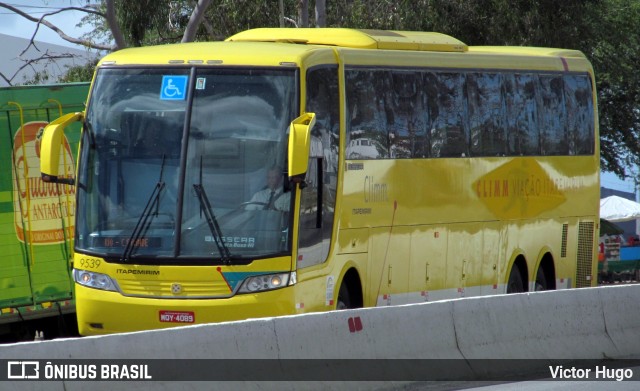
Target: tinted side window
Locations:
point(486, 114)
point(522, 114)
point(405, 113)
point(449, 135)
point(553, 132)
point(579, 104)
point(368, 104)
point(407, 120)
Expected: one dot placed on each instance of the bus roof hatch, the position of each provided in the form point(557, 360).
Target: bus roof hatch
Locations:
point(352, 38)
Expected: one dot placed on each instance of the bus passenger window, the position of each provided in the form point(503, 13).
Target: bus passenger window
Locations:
point(522, 115)
point(486, 114)
point(450, 136)
point(553, 134)
point(407, 128)
point(579, 103)
point(369, 113)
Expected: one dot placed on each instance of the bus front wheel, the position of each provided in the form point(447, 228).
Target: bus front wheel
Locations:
point(344, 301)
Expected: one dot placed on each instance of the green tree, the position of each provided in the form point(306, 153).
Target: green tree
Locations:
point(615, 54)
point(80, 73)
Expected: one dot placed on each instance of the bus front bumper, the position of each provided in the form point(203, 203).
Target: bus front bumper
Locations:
point(105, 312)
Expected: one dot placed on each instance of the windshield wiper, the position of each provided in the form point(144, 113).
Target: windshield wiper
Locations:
point(213, 224)
point(141, 225)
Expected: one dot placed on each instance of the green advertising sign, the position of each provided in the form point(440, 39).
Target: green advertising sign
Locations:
point(36, 218)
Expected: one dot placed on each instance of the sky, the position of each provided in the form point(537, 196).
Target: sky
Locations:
point(15, 25)
point(611, 181)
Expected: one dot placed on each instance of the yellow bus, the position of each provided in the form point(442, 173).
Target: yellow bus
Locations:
point(287, 171)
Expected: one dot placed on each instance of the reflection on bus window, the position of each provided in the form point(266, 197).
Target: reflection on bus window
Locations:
point(430, 113)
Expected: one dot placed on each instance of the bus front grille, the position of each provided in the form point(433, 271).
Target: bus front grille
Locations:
point(175, 290)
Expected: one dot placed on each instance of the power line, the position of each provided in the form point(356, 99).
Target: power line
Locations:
point(34, 6)
point(37, 13)
point(42, 9)
point(34, 14)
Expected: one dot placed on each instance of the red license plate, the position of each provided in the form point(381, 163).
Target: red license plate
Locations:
point(177, 316)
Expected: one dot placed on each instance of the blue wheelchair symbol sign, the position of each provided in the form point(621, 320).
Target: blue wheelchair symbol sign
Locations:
point(174, 87)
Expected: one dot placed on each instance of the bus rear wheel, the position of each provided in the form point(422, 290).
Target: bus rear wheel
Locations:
point(515, 285)
point(541, 281)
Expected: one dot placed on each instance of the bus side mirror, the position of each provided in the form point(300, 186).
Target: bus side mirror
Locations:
point(50, 148)
point(299, 145)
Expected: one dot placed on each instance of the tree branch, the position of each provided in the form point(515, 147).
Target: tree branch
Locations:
point(55, 28)
point(194, 20)
point(287, 19)
point(112, 21)
point(8, 81)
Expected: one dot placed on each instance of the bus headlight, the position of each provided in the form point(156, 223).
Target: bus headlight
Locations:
point(267, 282)
point(94, 280)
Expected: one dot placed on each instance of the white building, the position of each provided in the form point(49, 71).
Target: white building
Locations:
point(17, 66)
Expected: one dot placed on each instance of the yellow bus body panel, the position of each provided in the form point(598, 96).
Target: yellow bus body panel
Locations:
point(363, 39)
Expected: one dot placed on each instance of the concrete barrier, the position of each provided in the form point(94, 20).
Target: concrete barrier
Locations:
point(590, 323)
point(621, 312)
point(543, 325)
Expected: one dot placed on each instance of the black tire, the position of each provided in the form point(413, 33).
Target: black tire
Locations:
point(515, 284)
point(541, 281)
point(344, 300)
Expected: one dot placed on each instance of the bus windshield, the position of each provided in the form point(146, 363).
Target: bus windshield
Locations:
point(173, 162)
